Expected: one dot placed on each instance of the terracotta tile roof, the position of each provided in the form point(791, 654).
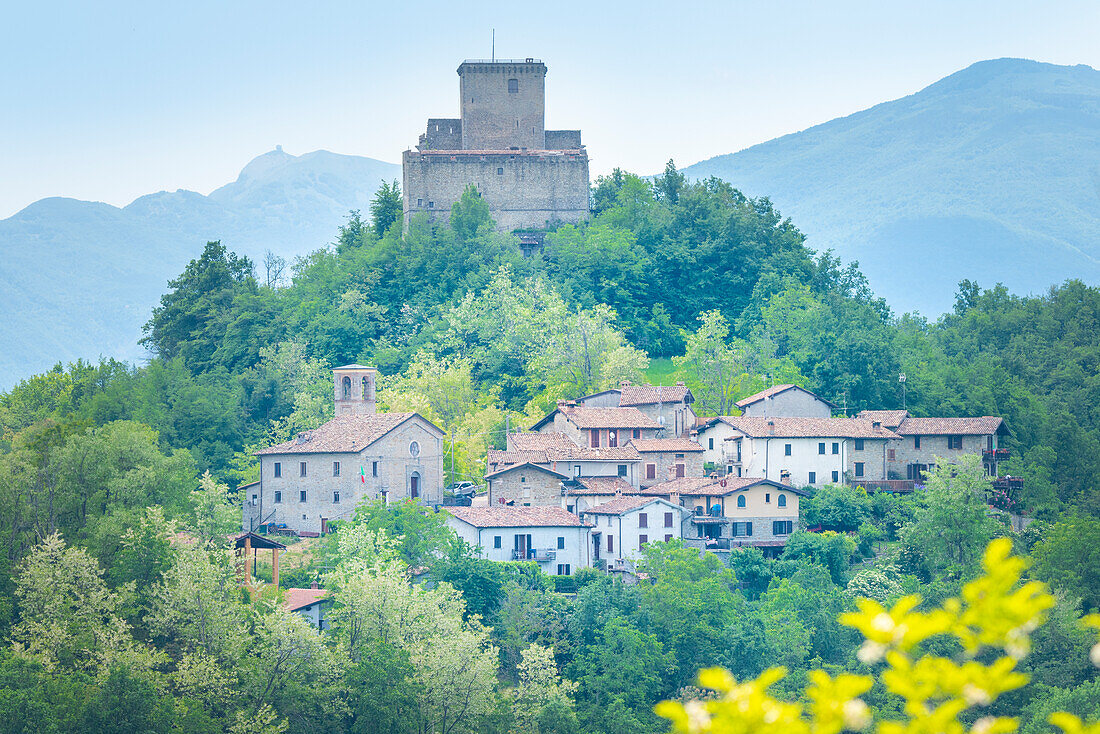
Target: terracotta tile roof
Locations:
point(646, 445)
point(781, 427)
point(515, 517)
point(534, 441)
point(712, 487)
point(343, 434)
point(772, 391)
point(889, 418)
point(496, 458)
point(527, 464)
point(983, 426)
point(601, 485)
point(653, 394)
point(298, 598)
point(620, 505)
point(584, 453)
point(584, 418)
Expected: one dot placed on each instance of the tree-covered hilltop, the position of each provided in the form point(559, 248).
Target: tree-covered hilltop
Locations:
point(117, 593)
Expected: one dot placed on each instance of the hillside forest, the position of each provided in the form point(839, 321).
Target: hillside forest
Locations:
point(119, 606)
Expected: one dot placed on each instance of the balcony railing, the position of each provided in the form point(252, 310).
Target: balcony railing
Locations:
point(1008, 484)
point(886, 485)
point(534, 554)
point(995, 454)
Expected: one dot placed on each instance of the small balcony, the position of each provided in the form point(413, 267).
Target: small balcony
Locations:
point(540, 555)
point(1011, 485)
point(995, 454)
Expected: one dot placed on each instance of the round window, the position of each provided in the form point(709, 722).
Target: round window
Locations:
point(414, 448)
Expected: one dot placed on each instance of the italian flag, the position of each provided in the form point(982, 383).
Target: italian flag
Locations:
point(362, 475)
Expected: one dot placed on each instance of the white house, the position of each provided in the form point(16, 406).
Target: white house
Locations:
point(312, 603)
point(621, 527)
point(801, 451)
point(552, 537)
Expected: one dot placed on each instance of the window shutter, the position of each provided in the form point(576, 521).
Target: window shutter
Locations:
point(668, 519)
point(748, 529)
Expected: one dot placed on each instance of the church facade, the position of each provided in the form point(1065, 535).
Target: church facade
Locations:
point(322, 474)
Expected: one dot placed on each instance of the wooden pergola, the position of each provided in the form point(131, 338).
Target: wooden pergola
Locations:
point(249, 545)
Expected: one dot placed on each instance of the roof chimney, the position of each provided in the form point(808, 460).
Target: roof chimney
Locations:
point(679, 383)
point(624, 383)
point(314, 585)
point(876, 424)
point(771, 427)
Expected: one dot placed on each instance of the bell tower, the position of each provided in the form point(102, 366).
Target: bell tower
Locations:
point(353, 386)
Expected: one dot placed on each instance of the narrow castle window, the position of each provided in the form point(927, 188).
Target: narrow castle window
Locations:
point(420, 202)
point(513, 86)
point(500, 171)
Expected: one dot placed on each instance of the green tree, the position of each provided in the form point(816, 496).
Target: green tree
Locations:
point(837, 507)
point(1068, 558)
point(214, 513)
point(952, 526)
point(715, 363)
point(385, 208)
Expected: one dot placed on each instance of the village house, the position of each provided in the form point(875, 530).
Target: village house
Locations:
point(622, 526)
point(551, 537)
point(925, 441)
point(313, 603)
point(670, 405)
point(727, 512)
point(668, 458)
point(785, 401)
point(801, 451)
point(563, 456)
point(321, 474)
point(526, 484)
point(584, 493)
point(597, 427)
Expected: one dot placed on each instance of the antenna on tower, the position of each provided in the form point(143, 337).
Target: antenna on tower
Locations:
point(494, 44)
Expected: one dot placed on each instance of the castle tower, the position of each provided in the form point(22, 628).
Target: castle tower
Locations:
point(503, 105)
point(353, 386)
point(531, 178)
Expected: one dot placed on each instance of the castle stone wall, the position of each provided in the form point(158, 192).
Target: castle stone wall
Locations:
point(563, 139)
point(523, 190)
point(442, 134)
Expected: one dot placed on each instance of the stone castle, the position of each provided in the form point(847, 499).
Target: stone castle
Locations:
point(530, 177)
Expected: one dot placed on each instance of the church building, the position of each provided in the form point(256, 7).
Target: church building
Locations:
point(320, 475)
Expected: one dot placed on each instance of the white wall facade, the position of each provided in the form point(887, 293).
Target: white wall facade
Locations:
point(664, 521)
point(575, 553)
point(806, 464)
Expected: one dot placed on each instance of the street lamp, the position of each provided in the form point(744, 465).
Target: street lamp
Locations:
point(901, 379)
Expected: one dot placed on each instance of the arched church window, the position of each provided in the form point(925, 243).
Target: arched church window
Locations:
point(513, 86)
point(347, 387)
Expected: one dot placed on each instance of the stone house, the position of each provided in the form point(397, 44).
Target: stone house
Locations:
point(669, 405)
point(924, 442)
point(733, 511)
point(621, 527)
point(574, 461)
point(785, 401)
point(321, 474)
point(802, 451)
point(555, 539)
point(668, 458)
point(525, 485)
point(584, 493)
point(597, 427)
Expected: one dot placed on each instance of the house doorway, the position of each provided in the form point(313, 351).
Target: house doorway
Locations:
point(414, 485)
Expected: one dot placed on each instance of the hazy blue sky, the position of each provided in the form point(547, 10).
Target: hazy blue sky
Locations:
point(109, 100)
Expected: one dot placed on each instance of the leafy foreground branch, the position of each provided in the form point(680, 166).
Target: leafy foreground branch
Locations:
point(991, 624)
